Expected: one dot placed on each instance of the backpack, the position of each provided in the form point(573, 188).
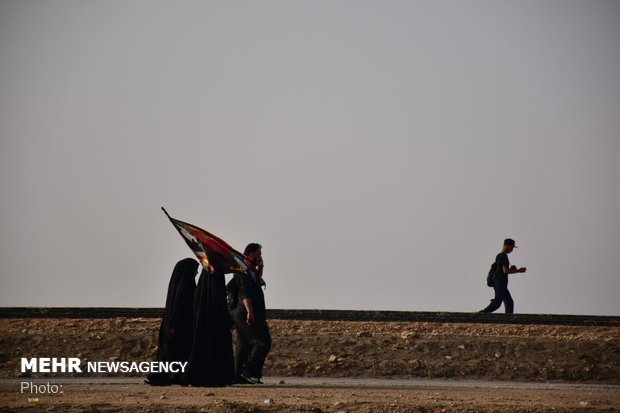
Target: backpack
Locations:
point(491, 275)
point(232, 295)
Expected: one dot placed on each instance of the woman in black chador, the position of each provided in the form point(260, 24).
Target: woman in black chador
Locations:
point(176, 329)
point(211, 362)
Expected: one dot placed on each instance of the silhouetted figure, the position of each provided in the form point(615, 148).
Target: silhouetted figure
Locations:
point(177, 326)
point(503, 268)
point(211, 361)
point(253, 341)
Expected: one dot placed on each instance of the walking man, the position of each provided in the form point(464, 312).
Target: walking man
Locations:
point(502, 269)
point(253, 338)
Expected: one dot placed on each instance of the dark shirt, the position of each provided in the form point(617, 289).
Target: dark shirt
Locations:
point(248, 288)
point(501, 260)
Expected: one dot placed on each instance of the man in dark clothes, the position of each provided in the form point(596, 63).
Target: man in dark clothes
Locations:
point(176, 329)
point(500, 285)
point(253, 338)
point(211, 362)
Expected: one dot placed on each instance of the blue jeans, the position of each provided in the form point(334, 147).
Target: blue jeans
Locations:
point(501, 295)
point(252, 345)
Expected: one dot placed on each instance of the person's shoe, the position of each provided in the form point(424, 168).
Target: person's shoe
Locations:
point(251, 380)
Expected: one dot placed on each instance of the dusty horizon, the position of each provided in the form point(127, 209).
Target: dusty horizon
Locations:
point(380, 153)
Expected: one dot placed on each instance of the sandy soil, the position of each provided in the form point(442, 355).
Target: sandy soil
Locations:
point(251, 399)
point(335, 349)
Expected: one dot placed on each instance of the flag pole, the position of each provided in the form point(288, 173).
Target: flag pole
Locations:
point(165, 212)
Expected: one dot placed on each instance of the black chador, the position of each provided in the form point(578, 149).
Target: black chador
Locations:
point(211, 362)
point(176, 329)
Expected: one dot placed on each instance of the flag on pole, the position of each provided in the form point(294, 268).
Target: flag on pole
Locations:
point(210, 250)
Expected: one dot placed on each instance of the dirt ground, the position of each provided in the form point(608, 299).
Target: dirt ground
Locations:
point(334, 349)
point(136, 398)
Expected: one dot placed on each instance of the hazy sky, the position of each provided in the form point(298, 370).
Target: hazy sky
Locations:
point(380, 151)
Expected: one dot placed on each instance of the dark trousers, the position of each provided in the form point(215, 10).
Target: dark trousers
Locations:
point(252, 344)
point(501, 295)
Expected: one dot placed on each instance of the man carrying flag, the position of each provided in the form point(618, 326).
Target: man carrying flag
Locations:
point(249, 315)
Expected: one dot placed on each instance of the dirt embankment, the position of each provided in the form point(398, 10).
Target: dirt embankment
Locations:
point(350, 349)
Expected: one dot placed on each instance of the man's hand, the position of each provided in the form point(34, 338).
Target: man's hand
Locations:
point(513, 269)
point(247, 303)
point(172, 332)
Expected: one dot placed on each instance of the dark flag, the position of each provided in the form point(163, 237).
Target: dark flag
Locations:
point(211, 250)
